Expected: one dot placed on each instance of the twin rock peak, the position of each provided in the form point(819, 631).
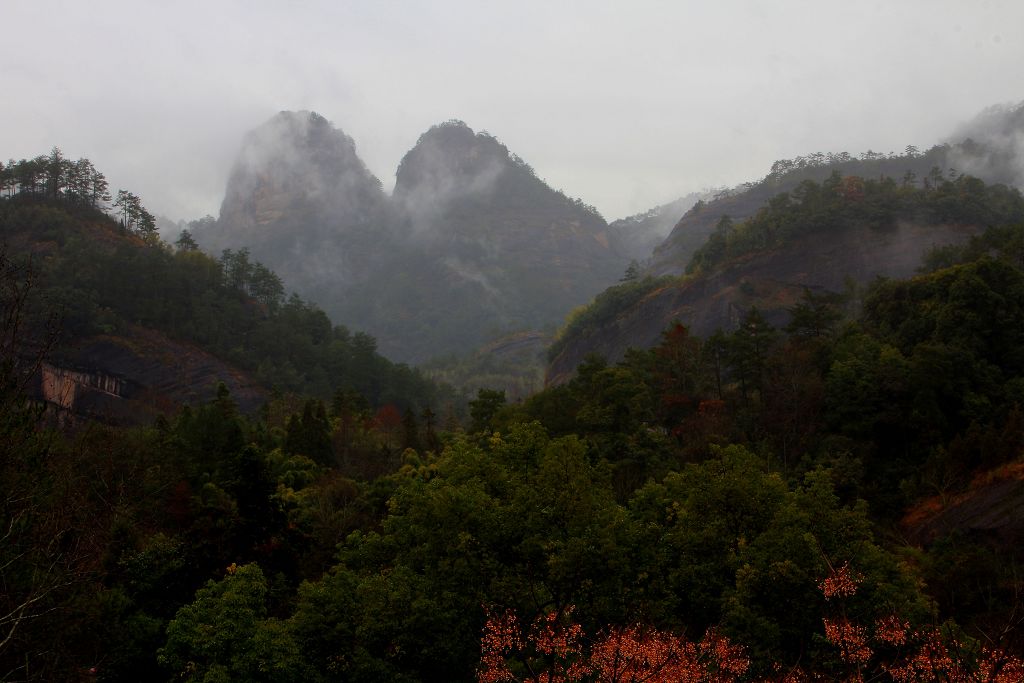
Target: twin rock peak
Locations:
point(471, 245)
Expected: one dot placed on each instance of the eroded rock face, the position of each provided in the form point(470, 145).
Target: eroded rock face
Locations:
point(301, 200)
point(132, 378)
point(991, 508)
point(295, 159)
point(67, 387)
point(449, 163)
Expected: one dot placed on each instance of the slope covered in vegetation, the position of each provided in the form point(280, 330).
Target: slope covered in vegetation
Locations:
point(113, 280)
point(744, 486)
point(976, 150)
point(729, 506)
point(828, 237)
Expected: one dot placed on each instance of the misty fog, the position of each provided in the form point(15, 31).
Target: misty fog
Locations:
point(625, 107)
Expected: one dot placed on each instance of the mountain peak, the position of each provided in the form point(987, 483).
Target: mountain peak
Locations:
point(450, 160)
point(300, 198)
point(292, 159)
point(299, 145)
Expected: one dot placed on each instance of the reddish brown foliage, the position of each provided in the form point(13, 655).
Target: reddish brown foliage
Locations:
point(911, 655)
point(841, 583)
point(555, 650)
point(388, 418)
point(851, 188)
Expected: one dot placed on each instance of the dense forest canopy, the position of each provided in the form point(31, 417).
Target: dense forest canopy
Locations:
point(764, 503)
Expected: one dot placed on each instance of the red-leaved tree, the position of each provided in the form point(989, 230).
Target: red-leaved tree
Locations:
point(892, 650)
point(554, 649)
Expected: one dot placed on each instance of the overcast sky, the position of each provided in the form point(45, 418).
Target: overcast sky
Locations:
point(623, 104)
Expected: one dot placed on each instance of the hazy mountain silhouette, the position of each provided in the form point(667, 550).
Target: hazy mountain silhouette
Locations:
point(300, 199)
point(472, 245)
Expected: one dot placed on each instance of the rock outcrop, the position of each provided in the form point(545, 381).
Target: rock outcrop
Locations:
point(991, 508)
point(304, 204)
point(132, 378)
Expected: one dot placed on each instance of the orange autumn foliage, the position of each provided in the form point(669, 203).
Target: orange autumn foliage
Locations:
point(910, 655)
point(556, 650)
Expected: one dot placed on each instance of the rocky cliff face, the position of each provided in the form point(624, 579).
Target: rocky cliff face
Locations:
point(295, 160)
point(450, 164)
point(132, 378)
point(300, 199)
point(992, 508)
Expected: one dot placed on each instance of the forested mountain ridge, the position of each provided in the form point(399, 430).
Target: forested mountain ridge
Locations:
point(760, 243)
point(987, 147)
point(145, 326)
point(824, 237)
point(472, 245)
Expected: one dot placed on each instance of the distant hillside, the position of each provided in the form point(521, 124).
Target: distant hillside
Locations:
point(502, 251)
point(989, 147)
point(471, 247)
point(513, 364)
point(825, 237)
point(637, 236)
point(740, 203)
point(762, 242)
